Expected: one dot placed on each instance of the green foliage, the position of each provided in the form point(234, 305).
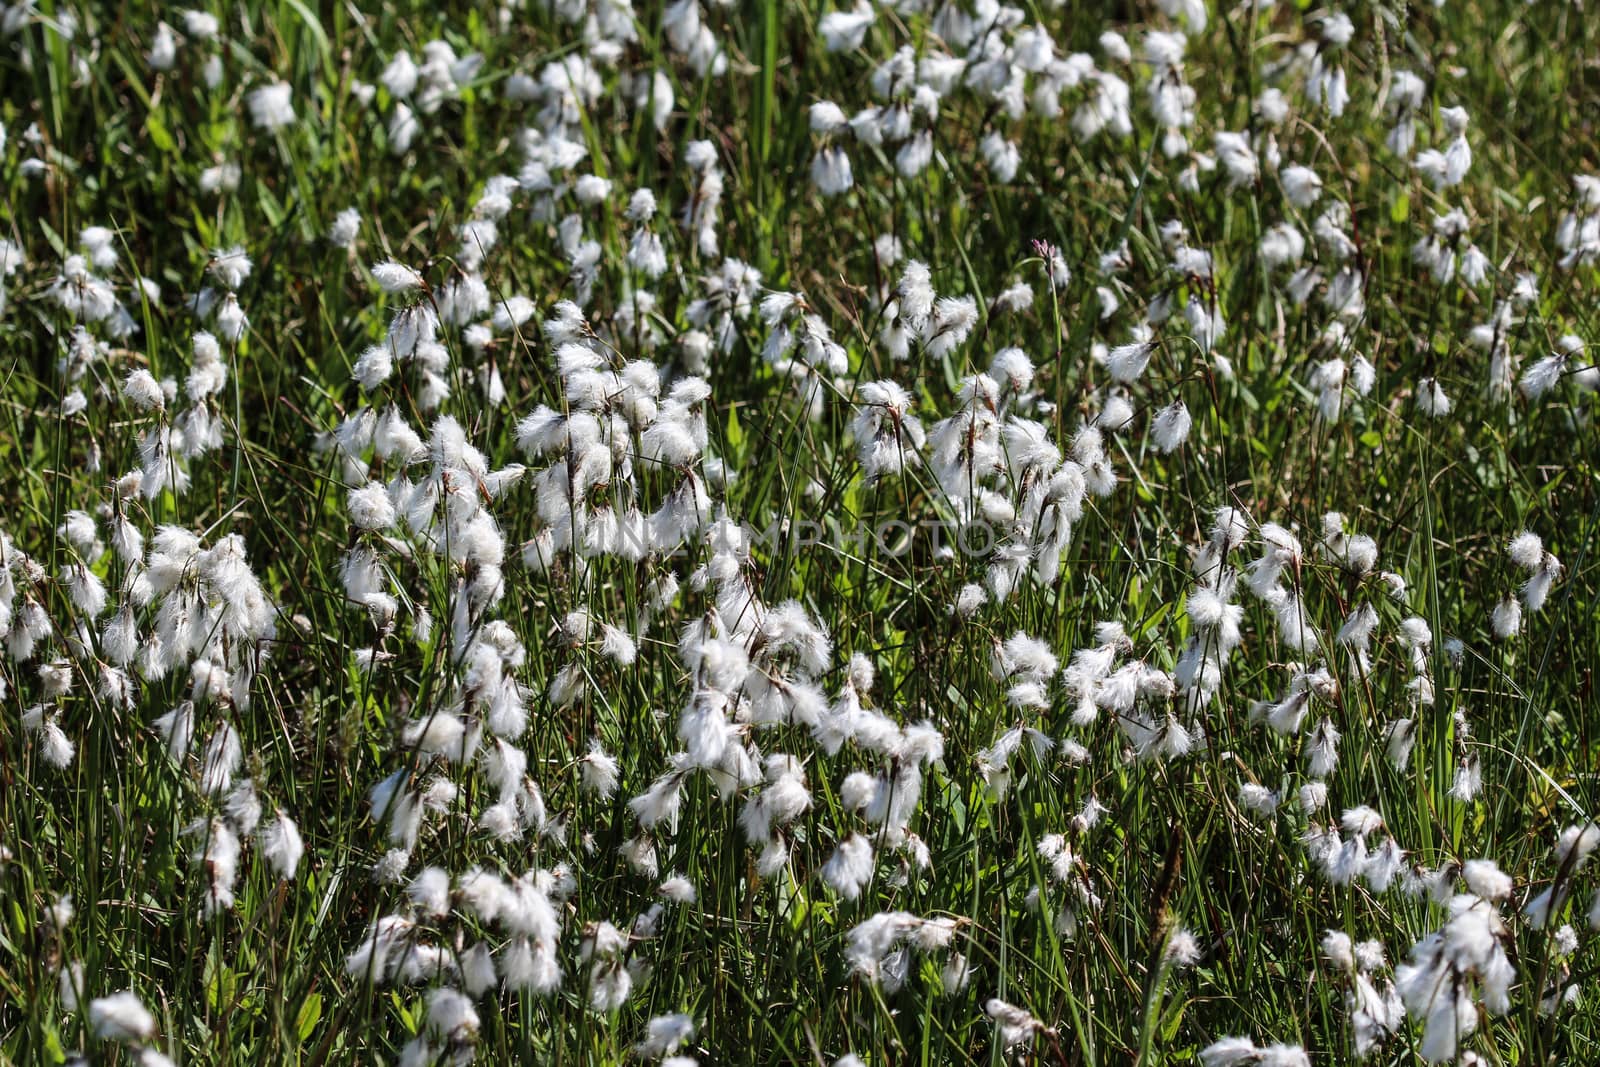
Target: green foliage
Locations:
point(758, 961)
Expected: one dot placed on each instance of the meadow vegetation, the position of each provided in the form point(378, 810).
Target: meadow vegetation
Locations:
point(746, 532)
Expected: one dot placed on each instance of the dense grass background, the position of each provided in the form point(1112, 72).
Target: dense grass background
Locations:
point(758, 961)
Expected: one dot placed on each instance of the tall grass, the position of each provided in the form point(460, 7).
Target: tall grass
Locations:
point(762, 962)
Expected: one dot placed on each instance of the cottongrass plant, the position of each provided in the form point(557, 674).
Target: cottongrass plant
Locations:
point(952, 531)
